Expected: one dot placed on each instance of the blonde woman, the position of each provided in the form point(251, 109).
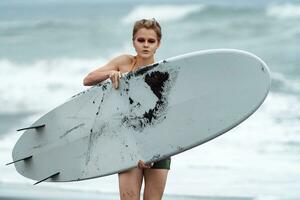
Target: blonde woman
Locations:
point(146, 39)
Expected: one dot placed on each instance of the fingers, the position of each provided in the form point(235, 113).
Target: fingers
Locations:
point(143, 165)
point(116, 81)
point(115, 78)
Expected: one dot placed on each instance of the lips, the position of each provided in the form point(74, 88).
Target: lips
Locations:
point(145, 51)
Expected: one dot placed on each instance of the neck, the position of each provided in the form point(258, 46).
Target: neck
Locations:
point(144, 61)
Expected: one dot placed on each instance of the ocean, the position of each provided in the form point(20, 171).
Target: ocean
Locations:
point(47, 47)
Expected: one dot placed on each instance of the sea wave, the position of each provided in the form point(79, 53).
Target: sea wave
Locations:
point(14, 27)
point(280, 83)
point(41, 85)
point(162, 13)
point(284, 11)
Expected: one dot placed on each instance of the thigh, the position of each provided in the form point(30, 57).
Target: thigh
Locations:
point(155, 181)
point(130, 183)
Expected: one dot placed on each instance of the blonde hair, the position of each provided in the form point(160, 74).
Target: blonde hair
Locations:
point(148, 24)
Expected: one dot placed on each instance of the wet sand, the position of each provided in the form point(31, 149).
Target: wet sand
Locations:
point(29, 192)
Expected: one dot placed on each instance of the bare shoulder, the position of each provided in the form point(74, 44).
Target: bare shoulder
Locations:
point(123, 62)
point(123, 58)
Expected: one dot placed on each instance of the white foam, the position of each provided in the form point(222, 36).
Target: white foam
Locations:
point(285, 84)
point(162, 13)
point(284, 11)
point(41, 85)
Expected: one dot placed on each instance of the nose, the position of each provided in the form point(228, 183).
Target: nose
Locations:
point(146, 44)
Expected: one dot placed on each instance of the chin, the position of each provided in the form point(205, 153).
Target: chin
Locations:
point(146, 55)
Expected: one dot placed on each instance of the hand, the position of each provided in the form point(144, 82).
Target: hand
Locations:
point(143, 165)
point(115, 78)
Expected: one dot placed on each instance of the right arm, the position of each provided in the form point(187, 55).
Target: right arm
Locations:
point(102, 73)
point(110, 70)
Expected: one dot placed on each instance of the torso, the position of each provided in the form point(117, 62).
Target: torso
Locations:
point(127, 63)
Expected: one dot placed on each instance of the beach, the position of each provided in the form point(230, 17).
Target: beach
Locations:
point(27, 192)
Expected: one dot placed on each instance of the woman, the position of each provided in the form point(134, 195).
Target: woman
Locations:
point(146, 39)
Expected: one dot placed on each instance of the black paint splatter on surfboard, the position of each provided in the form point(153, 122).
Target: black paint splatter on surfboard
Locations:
point(159, 83)
point(156, 80)
point(130, 100)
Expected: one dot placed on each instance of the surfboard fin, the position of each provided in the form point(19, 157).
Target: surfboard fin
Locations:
point(53, 175)
point(32, 127)
point(26, 158)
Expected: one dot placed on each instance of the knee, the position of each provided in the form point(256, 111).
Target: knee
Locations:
point(153, 193)
point(130, 195)
point(157, 196)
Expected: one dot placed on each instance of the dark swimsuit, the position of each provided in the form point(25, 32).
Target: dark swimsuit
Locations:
point(162, 164)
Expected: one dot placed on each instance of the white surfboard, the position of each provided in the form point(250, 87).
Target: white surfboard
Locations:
point(159, 110)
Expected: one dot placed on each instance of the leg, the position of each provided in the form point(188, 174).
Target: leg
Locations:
point(130, 183)
point(155, 181)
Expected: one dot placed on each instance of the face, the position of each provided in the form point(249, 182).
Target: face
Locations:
point(145, 42)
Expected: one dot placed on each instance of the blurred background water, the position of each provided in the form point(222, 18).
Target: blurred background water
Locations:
point(47, 47)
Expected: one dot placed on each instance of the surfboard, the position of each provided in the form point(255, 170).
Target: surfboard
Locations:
point(160, 110)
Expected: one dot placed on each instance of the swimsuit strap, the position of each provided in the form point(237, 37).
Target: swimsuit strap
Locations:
point(133, 64)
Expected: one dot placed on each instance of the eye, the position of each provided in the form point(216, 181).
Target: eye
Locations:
point(151, 41)
point(141, 40)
